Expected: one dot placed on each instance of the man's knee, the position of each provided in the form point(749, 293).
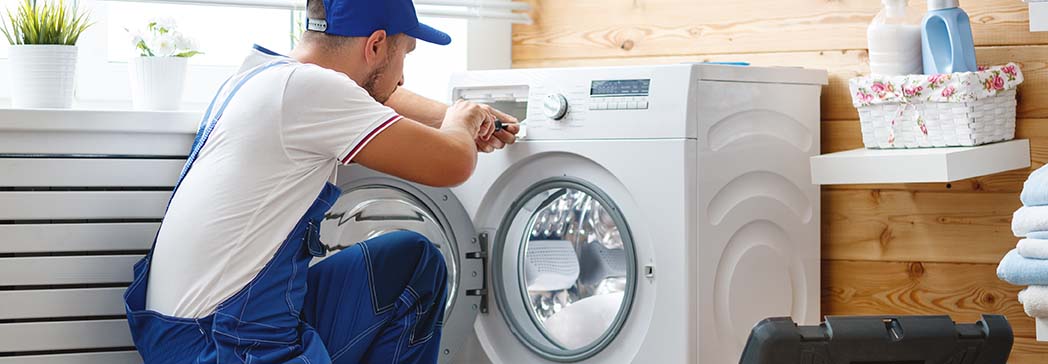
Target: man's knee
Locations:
point(407, 246)
point(404, 258)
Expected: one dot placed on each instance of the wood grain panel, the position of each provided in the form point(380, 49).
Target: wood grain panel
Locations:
point(965, 291)
point(956, 226)
point(621, 28)
point(1027, 350)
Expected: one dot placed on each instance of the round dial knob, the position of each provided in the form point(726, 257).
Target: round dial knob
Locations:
point(555, 106)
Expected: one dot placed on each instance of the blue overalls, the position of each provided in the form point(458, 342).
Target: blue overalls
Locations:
point(380, 301)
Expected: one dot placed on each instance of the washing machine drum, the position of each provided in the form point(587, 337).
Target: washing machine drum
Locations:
point(563, 269)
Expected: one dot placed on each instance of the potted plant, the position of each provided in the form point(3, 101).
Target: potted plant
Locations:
point(158, 74)
point(43, 52)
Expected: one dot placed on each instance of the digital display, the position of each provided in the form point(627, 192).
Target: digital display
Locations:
point(620, 87)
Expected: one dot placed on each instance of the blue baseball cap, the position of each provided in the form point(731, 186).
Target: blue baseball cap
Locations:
point(360, 18)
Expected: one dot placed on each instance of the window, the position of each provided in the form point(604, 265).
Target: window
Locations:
point(225, 34)
point(220, 32)
point(428, 69)
point(5, 6)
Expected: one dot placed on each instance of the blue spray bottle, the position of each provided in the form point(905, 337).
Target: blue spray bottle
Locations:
point(946, 37)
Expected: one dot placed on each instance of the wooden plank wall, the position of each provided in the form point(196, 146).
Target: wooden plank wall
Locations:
point(887, 249)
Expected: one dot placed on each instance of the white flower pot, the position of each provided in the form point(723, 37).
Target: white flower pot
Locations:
point(157, 82)
point(42, 76)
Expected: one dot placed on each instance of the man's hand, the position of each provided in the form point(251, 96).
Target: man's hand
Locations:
point(467, 117)
point(488, 139)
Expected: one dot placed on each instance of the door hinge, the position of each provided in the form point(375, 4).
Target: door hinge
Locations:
point(482, 254)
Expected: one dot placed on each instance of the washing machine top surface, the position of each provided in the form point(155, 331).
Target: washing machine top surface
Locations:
point(635, 102)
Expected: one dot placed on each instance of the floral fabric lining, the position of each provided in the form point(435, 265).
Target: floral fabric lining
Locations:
point(951, 87)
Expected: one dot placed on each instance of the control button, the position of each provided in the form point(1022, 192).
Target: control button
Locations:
point(602, 106)
point(620, 105)
point(631, 105)
point(642, 105)
point(593, 106)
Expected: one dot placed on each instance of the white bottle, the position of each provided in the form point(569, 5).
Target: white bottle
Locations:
point(894, 39)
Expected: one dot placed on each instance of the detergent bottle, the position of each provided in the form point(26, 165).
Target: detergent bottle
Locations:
point(894, 39)
point(947, 39)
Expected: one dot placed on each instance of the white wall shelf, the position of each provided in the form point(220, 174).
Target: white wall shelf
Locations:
point(862, 166)
point(1038, 16)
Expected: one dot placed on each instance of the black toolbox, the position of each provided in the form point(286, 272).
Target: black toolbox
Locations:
point(880, 340)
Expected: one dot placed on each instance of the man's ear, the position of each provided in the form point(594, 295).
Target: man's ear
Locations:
point(375, 47)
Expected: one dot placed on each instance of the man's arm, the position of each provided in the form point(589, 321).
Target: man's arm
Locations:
point(417, 107)
point(441, 157)
point(431, 113)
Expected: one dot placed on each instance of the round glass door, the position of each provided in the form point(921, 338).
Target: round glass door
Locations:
point(368, 211)
point(574, 265)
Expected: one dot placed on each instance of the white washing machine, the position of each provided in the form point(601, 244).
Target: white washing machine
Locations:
point(650, 214)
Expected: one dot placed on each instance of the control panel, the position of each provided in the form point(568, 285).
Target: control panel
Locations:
point(587, 103)
point(619, 94)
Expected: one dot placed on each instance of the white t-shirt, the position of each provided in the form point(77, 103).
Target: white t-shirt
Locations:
point(280, 139)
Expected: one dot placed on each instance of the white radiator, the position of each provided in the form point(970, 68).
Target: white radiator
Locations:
point(81, 197)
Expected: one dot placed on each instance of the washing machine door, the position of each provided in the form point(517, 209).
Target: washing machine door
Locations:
point(562, 271)
point(373, 203)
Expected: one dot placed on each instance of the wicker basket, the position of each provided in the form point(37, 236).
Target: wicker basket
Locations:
point(961, 109)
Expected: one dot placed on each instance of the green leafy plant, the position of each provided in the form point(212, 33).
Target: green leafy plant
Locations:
point(44, 22)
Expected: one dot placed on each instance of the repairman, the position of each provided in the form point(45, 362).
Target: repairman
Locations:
point(228, 279)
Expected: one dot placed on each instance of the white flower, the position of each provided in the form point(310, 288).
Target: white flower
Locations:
point(160, 38)
point(166, 23)
point(183, 43)
point(164, 45)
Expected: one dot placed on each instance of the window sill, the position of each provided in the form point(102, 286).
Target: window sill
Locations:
point(97, 131)
point(99, 119)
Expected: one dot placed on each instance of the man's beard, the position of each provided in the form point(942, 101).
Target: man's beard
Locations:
point(372, 81)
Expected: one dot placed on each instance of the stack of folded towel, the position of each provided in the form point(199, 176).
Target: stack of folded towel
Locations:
point(1027, 264)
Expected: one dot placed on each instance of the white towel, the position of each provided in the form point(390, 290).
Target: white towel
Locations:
point(1035, 301)
point(1029, 219)
point(583, 322)
point(1041, 325)
point(1033, 248)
